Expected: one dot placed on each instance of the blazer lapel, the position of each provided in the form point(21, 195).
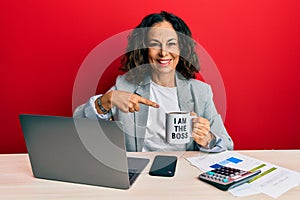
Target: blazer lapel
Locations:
point(141, 117)
point(185, 98)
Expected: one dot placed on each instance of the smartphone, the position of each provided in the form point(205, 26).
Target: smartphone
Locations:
point(163, 166)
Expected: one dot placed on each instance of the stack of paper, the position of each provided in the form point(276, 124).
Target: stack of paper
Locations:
point(273, 180)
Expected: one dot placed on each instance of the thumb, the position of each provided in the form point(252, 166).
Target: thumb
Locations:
point(193, 114)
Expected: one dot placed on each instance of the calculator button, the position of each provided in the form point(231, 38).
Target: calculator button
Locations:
point(210, 173)
point(225, 180)
point(243, 172)
point(236, 177)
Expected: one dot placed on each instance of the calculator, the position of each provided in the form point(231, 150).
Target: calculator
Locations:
point(226, 178)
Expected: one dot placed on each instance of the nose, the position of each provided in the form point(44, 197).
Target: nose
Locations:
point(163, 51)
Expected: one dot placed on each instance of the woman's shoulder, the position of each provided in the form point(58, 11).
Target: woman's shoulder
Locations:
point(200, 88)
point(121, 80)
point(197, 84)
point(122, 83)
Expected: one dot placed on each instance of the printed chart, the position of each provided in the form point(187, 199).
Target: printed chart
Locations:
point(273, 180)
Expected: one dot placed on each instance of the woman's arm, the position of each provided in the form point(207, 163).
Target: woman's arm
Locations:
point(211, 126)
point(217, 128)
point(89, 110)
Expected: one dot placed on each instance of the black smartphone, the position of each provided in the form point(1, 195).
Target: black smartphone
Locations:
point(163, 166)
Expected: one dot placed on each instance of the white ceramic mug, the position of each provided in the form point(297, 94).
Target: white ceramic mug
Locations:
point(178, 127)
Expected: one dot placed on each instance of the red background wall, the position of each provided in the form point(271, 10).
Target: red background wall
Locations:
point(255, 45)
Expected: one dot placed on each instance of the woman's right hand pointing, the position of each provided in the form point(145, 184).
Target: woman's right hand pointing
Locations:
point(125, 101)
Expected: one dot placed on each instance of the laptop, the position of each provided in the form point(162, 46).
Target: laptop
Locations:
point(80, 150)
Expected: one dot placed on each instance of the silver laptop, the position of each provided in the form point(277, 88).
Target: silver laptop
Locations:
point(79, 150)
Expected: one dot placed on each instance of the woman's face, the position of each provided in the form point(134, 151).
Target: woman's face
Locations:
point(163, 48)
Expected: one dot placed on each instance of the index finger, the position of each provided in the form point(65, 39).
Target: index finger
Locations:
point(203, 120)
point(147, 102)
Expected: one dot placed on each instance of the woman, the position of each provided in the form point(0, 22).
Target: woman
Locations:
point(161, 64)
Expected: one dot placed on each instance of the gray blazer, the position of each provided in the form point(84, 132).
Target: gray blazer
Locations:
point(193, 95)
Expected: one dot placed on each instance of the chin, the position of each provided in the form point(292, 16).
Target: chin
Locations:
point(165, 69)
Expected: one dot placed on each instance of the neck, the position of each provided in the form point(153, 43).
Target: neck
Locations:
point(165, 80)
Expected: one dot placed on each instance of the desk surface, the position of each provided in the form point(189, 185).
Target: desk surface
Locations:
point(17, 182)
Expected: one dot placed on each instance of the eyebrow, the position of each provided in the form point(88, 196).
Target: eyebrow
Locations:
point(155, 40)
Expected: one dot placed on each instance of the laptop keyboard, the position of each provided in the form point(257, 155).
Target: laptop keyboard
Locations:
point(135, 167)
point(132, 172)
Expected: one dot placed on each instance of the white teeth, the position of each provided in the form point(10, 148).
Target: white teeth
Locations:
point(164, 61)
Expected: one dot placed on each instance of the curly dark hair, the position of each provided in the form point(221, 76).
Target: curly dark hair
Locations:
point(137, 51)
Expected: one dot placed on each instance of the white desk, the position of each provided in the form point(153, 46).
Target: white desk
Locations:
point(17, 182)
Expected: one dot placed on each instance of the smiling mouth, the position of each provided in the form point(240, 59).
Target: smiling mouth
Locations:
point(164, 62)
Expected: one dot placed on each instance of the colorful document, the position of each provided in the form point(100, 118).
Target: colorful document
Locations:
point(273, 180)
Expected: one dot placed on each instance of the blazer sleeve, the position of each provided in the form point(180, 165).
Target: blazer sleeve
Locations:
point(88, 110)
point(217, 128)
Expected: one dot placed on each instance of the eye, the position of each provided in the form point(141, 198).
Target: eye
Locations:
point(154, 44)
point(172, 44)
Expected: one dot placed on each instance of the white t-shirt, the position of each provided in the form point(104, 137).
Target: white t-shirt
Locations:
point(155, 139)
